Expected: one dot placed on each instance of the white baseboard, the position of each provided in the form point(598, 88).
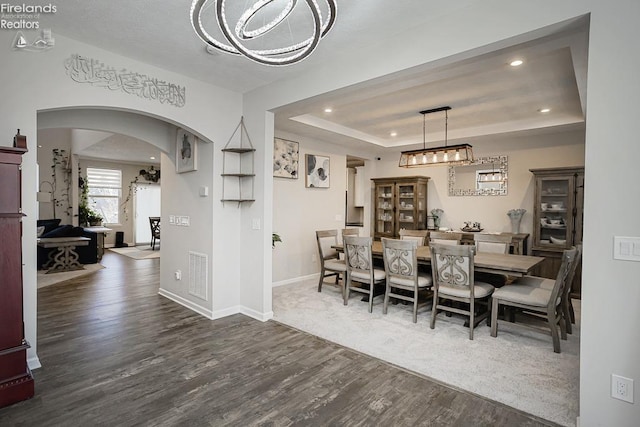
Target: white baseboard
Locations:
point(186, 303)
point(315, 276)
point(238, 309)
point(34, 363)
point(263, 317)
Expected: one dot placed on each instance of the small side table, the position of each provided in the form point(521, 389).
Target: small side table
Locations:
point(66, 257)
point(102, 233)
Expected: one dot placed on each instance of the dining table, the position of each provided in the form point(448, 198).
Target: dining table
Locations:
point(509, 264)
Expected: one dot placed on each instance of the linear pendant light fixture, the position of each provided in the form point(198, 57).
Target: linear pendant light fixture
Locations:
point(461, 154)
point(241, 35)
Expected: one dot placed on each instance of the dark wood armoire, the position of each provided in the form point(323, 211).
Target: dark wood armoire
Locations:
point(16, 381)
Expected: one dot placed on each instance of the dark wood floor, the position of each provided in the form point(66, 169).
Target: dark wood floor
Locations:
point(115, 353)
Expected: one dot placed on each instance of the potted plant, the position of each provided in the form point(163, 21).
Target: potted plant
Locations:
point(86, 215)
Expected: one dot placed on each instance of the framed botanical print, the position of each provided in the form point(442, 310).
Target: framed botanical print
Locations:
point(285, 158)
point(318, 171)
point(186, 152)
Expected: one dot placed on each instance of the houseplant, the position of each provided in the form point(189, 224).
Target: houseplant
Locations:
point(87, 215)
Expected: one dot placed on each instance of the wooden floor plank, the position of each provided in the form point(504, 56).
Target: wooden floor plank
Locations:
point(116, 353)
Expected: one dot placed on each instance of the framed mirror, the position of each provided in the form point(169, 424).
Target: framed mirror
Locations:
point(486, 176)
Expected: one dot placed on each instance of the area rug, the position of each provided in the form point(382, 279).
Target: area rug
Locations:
point(518, 367)
point(138, 252)
point(45, 279)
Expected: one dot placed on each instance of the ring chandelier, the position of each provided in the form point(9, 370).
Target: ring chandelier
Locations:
point(285, 55)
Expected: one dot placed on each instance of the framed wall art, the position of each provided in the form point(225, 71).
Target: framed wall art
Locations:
point(318, 171)
point(285, 158)
point(186, 152)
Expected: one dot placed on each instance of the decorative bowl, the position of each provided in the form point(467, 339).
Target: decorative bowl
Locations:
point(554, 221)
point(557, 241)
point(556, 206)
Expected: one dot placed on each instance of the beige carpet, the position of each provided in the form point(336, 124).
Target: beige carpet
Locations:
point(138, 252)
point(45, 279)
point(518, 367)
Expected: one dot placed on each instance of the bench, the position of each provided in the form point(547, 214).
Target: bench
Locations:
point(65, 258)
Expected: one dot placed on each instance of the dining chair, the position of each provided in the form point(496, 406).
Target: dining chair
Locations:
point(350, 232)
point(360, 268)
point(445, 238)
point(401, 269)
point(538, 301)
point(452, 270)
point(154, 224)
point(419, 236)
point(568, 314)
point(330, 262)
point(494, 244)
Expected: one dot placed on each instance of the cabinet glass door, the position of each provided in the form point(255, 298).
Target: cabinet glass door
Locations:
point(556, 205)
point(384, 209)
point(409, 207)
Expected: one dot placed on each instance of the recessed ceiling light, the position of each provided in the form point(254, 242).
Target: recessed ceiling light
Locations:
point(394, 134)
point(516, 62)
point(544, 110)
point(152, 157)
point(328, 110)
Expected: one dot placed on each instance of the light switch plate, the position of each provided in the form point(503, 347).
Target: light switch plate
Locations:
point(626, 248)
point(172, 219)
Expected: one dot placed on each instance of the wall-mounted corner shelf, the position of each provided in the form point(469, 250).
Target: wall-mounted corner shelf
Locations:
point(238, 171)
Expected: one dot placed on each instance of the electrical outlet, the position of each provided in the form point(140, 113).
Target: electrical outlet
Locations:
point(178, 275)
point(622, 388)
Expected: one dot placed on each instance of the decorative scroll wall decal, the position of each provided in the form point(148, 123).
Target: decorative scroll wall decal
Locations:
point(87, 70)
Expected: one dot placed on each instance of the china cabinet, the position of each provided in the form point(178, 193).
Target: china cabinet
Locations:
point(16, 382)
point(399, 203)
point(557, 216)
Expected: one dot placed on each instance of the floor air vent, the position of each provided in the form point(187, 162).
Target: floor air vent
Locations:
point(198, 267)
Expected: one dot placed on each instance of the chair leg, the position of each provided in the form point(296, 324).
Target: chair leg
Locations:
point(415, 306)
point(385, 305)
point(321, 280)
point(472, 313)
point(347, 285)
point(551, 319)
point(494, 317)
point(434, 309)
point(566, 314)
point(563, 326)
point(371, 291)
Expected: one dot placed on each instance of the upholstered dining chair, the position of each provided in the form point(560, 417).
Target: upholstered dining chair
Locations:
point(350, 232)
point(492, 243)
point(360, 268)
point(330, 262)
point(452, 270)
point(154, 224)
point(530, 297)
point(445, 238)
point(401, 269)
point(568, 314)
point(419, 236)
point(495, 244)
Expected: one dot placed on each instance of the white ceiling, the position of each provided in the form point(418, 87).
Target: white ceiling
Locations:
point(487, 96)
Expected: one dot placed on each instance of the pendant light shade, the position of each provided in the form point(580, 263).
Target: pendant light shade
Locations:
point(460, 154)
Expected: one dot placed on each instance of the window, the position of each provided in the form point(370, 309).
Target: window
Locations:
point(105, 187)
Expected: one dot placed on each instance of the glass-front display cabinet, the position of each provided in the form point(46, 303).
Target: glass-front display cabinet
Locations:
point(558, 212)
point(399, 203)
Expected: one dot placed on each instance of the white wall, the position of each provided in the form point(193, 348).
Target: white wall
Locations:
point(210, 112)
point(610, 293)
point(299, 211)
point(523, 152)
point(49, 140)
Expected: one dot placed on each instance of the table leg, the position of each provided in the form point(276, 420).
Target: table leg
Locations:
point(65, 258)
